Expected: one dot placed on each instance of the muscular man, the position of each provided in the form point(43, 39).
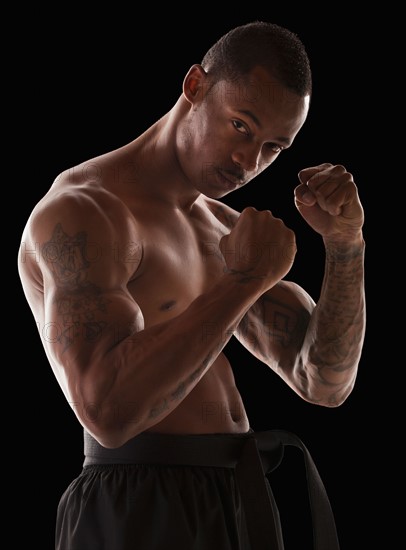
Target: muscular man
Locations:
point(138, 276)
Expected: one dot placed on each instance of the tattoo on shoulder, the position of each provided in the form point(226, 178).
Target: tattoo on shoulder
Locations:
point(80, 301)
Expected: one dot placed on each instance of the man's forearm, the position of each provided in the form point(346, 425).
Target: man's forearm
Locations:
point(335, 335)
point(150, 372)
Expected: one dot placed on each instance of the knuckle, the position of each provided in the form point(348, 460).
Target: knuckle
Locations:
point(339, 169)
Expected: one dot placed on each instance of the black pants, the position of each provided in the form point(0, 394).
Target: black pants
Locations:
point(189, 492)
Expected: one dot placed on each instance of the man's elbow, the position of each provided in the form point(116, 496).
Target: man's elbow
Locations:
point(330, 395)
point(324, 390)
point(112, 426)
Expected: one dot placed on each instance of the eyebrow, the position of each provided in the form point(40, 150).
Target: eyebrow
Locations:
point(256, 121)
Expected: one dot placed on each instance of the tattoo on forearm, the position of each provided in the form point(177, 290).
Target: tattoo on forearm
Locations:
point(340, 316)
point(179, 393)
point(337, 254)
point(338, 322)
point(157, 411)
point(182, 389)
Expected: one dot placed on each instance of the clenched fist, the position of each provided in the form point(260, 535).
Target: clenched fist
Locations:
point(327, 198)
point(259, 247)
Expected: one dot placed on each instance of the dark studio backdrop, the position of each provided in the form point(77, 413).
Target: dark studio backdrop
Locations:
point(94, 85)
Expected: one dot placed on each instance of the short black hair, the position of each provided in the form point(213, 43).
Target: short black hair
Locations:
point(260, 43)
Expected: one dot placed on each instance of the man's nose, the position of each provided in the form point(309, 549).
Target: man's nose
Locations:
point(247, 158)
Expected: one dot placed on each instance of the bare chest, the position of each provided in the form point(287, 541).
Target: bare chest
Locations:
point(180, 261)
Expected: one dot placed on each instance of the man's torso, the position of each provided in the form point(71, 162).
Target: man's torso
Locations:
point(177, 260)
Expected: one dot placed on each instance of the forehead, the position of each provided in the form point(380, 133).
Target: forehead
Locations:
point(260, 93)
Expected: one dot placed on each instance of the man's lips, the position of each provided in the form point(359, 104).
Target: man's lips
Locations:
point(234, 180)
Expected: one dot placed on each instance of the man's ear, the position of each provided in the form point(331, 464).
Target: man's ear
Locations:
point(194, 83)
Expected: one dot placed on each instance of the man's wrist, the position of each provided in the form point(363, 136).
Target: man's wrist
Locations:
point(344, 250)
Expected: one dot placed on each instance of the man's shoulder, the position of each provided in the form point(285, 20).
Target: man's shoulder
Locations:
point(77, 204)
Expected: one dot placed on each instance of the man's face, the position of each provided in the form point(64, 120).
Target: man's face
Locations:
point(234, 130)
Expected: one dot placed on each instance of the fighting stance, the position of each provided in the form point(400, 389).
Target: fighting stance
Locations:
point(138, 275)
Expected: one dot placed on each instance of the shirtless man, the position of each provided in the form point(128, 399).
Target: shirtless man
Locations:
point(138, 276)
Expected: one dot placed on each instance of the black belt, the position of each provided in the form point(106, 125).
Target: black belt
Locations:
point(253, 455)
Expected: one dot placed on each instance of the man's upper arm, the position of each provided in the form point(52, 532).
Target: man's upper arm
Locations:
point(274, 328)
point(88, 256)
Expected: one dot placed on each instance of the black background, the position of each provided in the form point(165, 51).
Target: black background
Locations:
point(88, 84)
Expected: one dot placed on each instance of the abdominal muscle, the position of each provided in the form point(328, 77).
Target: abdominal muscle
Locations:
point(213, 406)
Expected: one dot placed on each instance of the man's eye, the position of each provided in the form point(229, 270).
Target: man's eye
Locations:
point(239, 126)
point(274, 147)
